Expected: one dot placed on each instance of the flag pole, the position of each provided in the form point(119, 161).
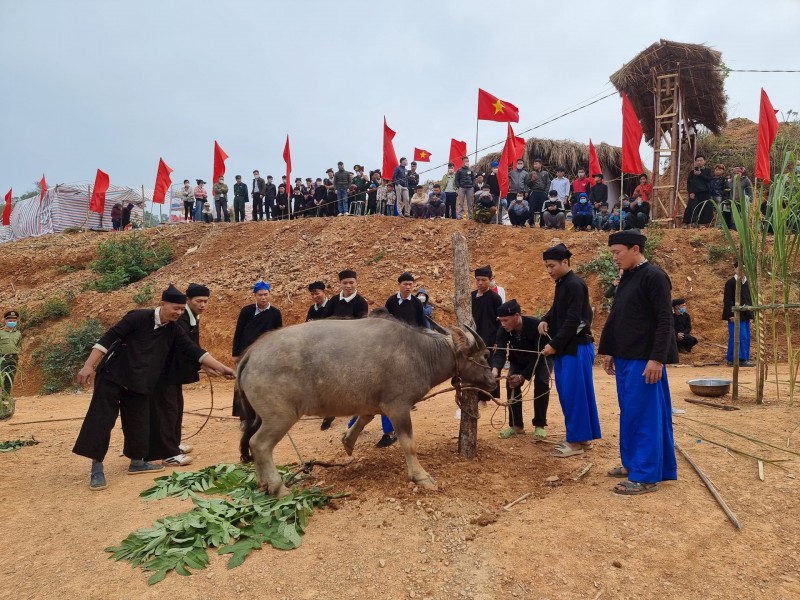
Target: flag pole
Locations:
point(144, 210)
point(621, 194)
point(477, 123)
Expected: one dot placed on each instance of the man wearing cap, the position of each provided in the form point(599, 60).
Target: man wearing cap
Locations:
point(485, 303)
point(200, 198)
point(166, 402)
point(239, 199)
point(638, 339)
point(254, 321)
point(10, 344)
point(317, 310)
point(519, 342)
point(568, 325)
point(539, 185)
point(403, 305)
point(134, 353)
point(259, 190)
point(347, 304)
point(683, 326)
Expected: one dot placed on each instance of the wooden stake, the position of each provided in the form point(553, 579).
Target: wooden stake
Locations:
point(711, 404)
point(517, 501)
point(586, 468)
point(711, 488)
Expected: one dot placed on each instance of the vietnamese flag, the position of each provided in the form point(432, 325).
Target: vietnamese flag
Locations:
point(219, 162)
point(7, 209)
point(519, 149)
point(421, 155)
point(458, 150)
point(42, 188)
point(163, 182)
point(389, 155)
point(767, 130)
point(287, 158)
point(631, 138)
point(491, 108)
point(98, 201)
point(594, 162)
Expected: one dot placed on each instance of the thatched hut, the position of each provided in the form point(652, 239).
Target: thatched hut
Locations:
point(572, 156)
point(701, 81)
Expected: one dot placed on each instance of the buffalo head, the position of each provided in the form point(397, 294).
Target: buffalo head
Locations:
point(472, 358)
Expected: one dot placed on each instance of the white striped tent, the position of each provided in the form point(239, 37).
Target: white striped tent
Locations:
point(66, 206)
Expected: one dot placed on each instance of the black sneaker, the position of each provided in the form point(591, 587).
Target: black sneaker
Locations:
point(97, 482)
point(387, 440)
point(747, 363)
point(145, 467)
point(326, 423)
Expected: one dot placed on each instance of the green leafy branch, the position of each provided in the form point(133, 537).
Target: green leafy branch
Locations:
point(13, 445)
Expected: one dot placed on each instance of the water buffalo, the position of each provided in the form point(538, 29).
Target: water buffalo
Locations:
point(349, 367)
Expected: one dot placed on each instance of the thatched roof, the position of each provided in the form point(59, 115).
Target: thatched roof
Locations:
point(701, 81)
point(571, 155)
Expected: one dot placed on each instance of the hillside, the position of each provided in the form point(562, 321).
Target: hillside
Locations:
point(230, 257)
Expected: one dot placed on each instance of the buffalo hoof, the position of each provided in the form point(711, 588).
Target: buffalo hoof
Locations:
point(348, 446)
point(428, 483)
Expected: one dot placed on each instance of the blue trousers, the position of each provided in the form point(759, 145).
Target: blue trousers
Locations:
point(198, 210)
point(744, 341)
point(341, 200)
point(576, 393)
point(646, 444)
point(386, 424)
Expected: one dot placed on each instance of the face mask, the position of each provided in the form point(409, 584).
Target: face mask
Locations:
point(11, 324)
point(682, 309)
point(583, 200)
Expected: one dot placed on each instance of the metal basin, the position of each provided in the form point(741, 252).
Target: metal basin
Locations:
point(710, 387)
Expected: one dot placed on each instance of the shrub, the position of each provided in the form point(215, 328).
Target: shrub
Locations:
point(603, 266)
point(125, 259)
point(144, 295)
point(654, 235)
point(62, 359)
point(52, 308)
point(718, 252)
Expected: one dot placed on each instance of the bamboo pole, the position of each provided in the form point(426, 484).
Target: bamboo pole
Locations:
point(710, 487)
point(737, 319)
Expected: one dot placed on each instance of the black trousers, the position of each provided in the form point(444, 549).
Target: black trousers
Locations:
point(450, 205)
point(166, 420)
point(258, 207)
point(699, 209)
point(188, 210)
point(687, 343)
point(536, 202)
point(238, 208)
point(110, 400)
point(541, 395)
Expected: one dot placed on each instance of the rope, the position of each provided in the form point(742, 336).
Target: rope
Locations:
point(210, 410)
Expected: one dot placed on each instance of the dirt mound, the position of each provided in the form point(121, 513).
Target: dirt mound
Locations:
point(230, 257)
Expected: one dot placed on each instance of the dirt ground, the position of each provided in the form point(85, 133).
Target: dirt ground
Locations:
point(570, 539)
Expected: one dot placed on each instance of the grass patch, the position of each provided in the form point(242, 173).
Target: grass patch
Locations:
point(144, 295)
point(61, 359)
point(603, 266)
point(52, 308)
point(379, 255)
point(66, 269)
point(696, 242)
point(720, 252)
point(654, 235)
point(126, 259)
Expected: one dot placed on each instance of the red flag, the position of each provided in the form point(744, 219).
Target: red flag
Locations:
point(458, 150)
point(389, 155)
point(767, 130)
point(594, 163)
point(506, 157)
point(287, 157)
point(519, 149)
point(42, 188)
point(163, 182)
point(7, 210)
point(491, 108)
point(219, 162)
point(98, 201)
point(631, 138)
point(422, 155)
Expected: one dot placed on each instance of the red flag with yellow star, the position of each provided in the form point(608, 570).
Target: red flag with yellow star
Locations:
point(421, 155)
point(491, 108)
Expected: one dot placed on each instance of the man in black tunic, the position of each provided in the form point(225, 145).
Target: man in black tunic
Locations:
point(317, 310)
point(347, 304)
point(403, 305)
point(166, 402)
point(518, 340)
point(699, 208)
point(638, 340)
point(254, 321)
point(485, 303)
point(683, 326)
point(133, 353)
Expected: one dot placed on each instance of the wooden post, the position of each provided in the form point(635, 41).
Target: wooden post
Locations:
point(737, 319)
point(462, 301)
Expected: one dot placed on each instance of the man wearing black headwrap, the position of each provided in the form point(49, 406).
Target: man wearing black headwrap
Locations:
point(638, 340)
point(403, 305)
point(317, 310)
point(568, 324)
point(485, 303)
point(131, 356)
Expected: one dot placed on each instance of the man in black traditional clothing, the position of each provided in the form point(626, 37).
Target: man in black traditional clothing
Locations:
point(133, 353)
point(320, 301)
point(745, 317)
point(403, 305)
point(166, 401)
point(254, 321)
point(519, 342)
point(485, 303)
point(347, 304)
point(638, 340)
point(683, 326)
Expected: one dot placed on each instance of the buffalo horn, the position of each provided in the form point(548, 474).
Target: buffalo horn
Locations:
point(436, 327)
point(478, 339)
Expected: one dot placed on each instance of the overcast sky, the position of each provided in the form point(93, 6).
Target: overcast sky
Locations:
point(116, 85)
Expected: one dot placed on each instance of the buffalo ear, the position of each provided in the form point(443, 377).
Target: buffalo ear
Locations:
point(460, 341)
point(479, 344)
point(436, 327)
